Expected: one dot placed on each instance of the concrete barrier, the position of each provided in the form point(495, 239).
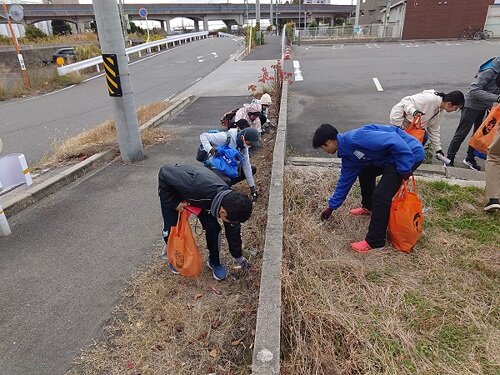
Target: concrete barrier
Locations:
point(266, 353)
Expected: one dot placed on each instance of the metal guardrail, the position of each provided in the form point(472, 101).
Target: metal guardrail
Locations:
point(349, 32)
point(220, 34)
point(95, 61)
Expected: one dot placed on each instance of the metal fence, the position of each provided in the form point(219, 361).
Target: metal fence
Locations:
point(148, 47)
point(349, 32)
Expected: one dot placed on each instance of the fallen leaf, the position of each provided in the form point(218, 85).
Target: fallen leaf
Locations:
point(216, 324)
point(202, 336)
point(159, 347)
point(198, 296)
point(189, 306)
point(214, 353)
point(236, 342)
point(130, 365)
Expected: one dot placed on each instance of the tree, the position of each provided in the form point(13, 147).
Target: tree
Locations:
point(340, 21)
point(60, 27)
point(34, 33)
point(135, 29)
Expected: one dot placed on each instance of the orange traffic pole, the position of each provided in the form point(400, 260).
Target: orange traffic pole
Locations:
point(18, 50)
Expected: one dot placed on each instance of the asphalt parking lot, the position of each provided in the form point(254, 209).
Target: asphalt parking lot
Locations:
point(338, 83)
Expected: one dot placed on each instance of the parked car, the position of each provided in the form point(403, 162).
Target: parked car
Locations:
point(67, 53)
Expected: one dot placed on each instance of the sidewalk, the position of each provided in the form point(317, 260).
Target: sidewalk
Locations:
point(70, 254)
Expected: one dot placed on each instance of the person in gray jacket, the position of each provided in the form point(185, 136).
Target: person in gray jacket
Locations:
point(483, 92)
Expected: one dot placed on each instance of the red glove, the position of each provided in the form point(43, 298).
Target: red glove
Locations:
point(326, 213)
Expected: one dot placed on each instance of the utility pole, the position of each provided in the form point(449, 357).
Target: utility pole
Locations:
point(118, 79)
point(271, 14)
point(358, 7)
point(257, 13)
point(299, 15)
point(16, 45)
point(387, 15)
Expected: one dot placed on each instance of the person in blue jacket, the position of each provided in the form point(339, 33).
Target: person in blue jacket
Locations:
point(368, 152)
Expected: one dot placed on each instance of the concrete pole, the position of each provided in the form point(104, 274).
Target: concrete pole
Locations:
point(257, 12)
point(205, 23)
point(358, 8)
point(111, 39)
point(271, 13)
point(298, 27)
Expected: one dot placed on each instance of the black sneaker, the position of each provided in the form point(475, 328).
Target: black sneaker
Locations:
point(492, 205)
point(452, 162)
point(472, 164)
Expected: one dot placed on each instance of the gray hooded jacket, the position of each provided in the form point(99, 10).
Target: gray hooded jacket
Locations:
point(485, 89)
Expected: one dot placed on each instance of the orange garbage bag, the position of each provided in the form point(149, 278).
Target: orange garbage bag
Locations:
point(182, 251)
point(415, 128)
point(406, 218)
point(483, 137)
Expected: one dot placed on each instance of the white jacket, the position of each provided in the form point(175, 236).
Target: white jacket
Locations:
point(427, 102)
point(210, 140)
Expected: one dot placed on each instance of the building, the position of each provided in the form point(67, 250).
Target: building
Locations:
point(435, 19)
point(371, 11)
point(316, 2)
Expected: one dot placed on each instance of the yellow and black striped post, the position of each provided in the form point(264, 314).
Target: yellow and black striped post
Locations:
point(112, 74)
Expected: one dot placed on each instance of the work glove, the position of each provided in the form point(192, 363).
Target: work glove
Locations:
point(242, 262)
point(440, 152)
point(254, 193)
point(417, 112)
point(407, 175)
point(213, 151)
point(326, 213)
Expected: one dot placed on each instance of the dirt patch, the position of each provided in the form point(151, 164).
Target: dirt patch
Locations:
point(433, 311)
point(166, 324)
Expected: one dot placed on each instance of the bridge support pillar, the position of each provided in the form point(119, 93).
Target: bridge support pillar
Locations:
point(196, 25)
point(165, 25)
point(205, 23)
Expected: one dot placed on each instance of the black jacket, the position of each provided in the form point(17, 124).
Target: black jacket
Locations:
point(194, 183)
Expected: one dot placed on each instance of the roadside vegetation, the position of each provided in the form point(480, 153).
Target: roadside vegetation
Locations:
point(102, 138)
point(433, 311)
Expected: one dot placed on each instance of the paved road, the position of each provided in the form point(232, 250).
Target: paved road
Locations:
point(31, 126)
point(269, 51)
point(338, 84)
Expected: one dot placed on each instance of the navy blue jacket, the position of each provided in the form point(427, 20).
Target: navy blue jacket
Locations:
point(377, 145)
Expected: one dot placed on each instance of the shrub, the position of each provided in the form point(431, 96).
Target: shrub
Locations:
point(34, 33)
point(87, 52)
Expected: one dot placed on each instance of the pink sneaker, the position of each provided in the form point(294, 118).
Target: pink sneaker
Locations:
point(361, 246)
point(360, 211)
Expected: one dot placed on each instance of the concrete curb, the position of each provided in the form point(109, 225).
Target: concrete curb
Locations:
point(266, 353)
point(458, 176)
point(65, 177)
point(240, 54)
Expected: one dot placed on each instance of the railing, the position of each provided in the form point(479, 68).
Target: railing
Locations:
point(220, 34)
point(349, 32)
point(95, 61)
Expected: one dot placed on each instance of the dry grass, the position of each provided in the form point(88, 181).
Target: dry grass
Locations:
point(104, 137)
point(166, 324)
point(54, 39)
point(434, 311)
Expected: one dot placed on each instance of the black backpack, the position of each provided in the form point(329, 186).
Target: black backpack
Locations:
point(228, 118)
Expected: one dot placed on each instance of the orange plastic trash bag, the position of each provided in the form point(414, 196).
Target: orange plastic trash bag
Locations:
point(483, 137)
point(415, 128)
point(406, 218)
point(182, 251)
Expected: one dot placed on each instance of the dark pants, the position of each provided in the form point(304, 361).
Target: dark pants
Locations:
point(201, 156)
point(469, 118)
point(212, 231)
point(378, 199)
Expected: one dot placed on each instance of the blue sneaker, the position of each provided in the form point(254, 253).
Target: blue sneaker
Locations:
point(173, 269)
point(219, 272)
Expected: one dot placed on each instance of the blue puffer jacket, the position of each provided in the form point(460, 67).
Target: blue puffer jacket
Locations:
point(377, 145)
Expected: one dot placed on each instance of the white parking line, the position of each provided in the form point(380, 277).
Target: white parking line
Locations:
point(296, 71)
point(377, 84)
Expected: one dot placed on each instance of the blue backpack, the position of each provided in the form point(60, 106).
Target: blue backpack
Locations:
point(226, 159)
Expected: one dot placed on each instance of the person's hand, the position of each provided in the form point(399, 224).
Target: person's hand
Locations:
point(326, 213)
point(254, 193)
point(242, 262)
point(417, 112)
point(440, 152)
point(181, 206)
point(212, 151)
point(407, 175)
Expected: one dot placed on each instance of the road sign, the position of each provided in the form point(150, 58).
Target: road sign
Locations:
point(16, 12)
point(60, 61)
point(143, 12)
point(21, 61)
point(112, 74)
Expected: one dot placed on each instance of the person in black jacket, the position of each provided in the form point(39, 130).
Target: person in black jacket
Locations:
point(183, 185)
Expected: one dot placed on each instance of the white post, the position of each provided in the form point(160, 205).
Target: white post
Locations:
point(4, 224)
point(358, 8)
